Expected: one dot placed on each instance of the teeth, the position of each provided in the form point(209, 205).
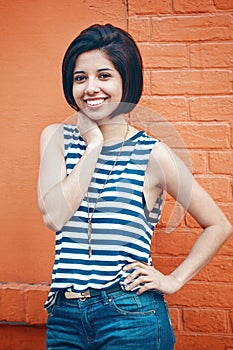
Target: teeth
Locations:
point(95, 102)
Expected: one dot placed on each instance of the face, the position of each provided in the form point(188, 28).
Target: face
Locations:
point(97, 85)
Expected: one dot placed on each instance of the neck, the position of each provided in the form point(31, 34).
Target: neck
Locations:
point(114, 129)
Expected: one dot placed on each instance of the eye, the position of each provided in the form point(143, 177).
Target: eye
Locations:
point(105, 76)
point(79, 78)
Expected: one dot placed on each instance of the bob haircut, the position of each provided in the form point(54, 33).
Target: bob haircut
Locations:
point(120, 48)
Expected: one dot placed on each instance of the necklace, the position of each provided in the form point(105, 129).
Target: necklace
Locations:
point(90, 214)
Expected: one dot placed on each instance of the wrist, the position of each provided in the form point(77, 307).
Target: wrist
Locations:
point(94, 145)
point(178, 281)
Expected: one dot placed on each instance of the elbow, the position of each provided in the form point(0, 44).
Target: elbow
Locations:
point(229, 228)
point(50, 224)
point(48, 219)
point(226, 228)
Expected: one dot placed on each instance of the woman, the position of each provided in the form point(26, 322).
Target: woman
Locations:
point(100, 188)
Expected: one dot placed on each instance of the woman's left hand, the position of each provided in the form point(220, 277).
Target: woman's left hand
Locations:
point(151, 279)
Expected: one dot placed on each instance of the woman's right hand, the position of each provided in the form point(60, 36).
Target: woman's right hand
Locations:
point(60, 195)
point(89, 130)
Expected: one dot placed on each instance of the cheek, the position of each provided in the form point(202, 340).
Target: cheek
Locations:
point(73, 91)
point(76, 92)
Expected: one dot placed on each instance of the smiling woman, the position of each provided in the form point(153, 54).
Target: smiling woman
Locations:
point(119, 48)
point(101, 185)
point(97, 87)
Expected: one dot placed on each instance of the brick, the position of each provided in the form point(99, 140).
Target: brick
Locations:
point(163, 131)
point(203, 342)
point(148, 7)
point(144, 114)
point(211, 108)
point(227, 248)
point(21, 302)
point(211, 55)
point(146, 83)
point(232, 136)
point(204, 135)
point(13, 308)
point(172, 217)
point(217, 187)
point(196, 161)
point(164, 55)
point(223, 4)
point(191, 82)
point(192, 28)
point(167, 133)
point(186, 156)
point(203, 294)
point(193, 135)
point(165, 264)
point(189, 6)
point(166, 244)
point(22, 338)
point(191, 222)
point(227, 208)
point(231, 319)
point(221, 162)
point(175, 318)
point(36, 314)
point(205, 321)
point(107, 10)
point(220, 269)
point(140, 28)
point(169, 108)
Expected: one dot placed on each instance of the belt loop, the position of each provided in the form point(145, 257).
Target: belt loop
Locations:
point(105, 297)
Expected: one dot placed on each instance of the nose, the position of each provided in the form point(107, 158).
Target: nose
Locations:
point(92, 87)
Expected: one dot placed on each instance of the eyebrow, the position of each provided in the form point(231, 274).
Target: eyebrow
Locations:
point(99, 70)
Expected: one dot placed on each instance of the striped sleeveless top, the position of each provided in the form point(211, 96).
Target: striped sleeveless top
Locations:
point(122, 227)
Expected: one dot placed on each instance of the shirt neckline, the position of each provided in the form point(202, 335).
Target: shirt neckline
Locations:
point(127, 141)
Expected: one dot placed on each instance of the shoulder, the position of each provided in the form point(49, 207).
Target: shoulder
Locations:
point(52, 135)
point(162, 159)
point(52, 129)
point(161, 152)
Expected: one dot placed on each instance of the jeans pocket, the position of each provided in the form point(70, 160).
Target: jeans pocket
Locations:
point(130, 303)
point(50, 310)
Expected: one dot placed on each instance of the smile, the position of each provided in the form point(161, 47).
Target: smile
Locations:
point(95, 102)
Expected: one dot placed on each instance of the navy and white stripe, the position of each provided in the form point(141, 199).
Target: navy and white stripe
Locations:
point(122, 226)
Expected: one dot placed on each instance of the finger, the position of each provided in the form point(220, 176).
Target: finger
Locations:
point(146, 287)
point(133, 275)
point(137, 282)
point(134, 265)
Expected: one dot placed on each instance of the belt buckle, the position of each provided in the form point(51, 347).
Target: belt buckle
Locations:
point(84, 295)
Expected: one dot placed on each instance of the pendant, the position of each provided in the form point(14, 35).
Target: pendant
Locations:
point(89, 232)
point(89, 229)
point(89, 251)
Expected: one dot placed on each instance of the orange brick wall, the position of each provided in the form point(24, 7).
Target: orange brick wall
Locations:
point(187, 101)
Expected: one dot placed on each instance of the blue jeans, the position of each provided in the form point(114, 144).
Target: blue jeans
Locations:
point(111, 321)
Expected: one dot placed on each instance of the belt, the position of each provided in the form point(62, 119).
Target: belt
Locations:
point(89, 293)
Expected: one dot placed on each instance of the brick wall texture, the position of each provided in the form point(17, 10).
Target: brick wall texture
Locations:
point(187, 49)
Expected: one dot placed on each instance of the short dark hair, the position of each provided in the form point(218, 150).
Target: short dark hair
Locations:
point(120, 48)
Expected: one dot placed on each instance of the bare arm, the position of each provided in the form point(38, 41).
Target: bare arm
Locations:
point(173, 175)
point(60, 195)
